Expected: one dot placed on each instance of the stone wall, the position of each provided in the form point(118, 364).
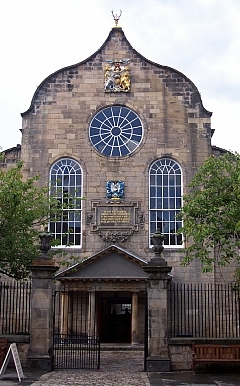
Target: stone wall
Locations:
point(11, 157)
point(176, 125)
point(181, 357)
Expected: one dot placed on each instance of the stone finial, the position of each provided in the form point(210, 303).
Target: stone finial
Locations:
point(157, 239)
point(45, 246)
point(43, 259)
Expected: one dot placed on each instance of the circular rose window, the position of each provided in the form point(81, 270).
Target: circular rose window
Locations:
point(116, 131)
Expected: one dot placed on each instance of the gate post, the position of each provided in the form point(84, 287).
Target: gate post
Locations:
point(41, 324)
point(157, 284)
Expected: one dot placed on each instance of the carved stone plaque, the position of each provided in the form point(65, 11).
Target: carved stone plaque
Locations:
point(116, 222)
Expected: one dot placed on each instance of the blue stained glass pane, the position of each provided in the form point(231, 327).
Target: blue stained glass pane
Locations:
point(120, 120)
point(159, 215)
point(126, 127)
point(120, 141)
point(165, 192)
point(165, 180)
point(178, 203)
point(166, 227)
point(124, 111)
point(131, 116)
point(178, 180)
point(171, 192)
point(101, 117)
point(172, 239)
point(94, 131)
point(153, 227)
point(153, 215)
point(138, 130)
point(107, 150)
point(152, 179)
point(135, 138)
point(152, 203)
point(59, 181)
point(159, 179)
point(95, 139)
point(171, 180)
point(111, 122)
point(159, 192)
point(105, 127)
point(116, 110)
point(100, 146)
point(72, 180)
point(115, 152)
point(179, 225)
point(115, 141)
point(165, 203)
point(126, 133)
point(105, 136)
point(167, 215)
point(110, 142)
point(152, 191)
point(106, 113)
point(178, 192)
point(124, 150)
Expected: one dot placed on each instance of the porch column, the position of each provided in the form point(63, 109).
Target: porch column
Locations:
point(64, 327)
point(134, 318)
point(91, 314)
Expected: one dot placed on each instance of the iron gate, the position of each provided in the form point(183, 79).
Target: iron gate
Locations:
point(76, 344)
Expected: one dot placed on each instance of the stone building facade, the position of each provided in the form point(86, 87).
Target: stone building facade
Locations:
point(175, 126)
point(127, 134)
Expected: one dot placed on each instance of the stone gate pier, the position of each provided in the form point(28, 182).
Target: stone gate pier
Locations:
point(41, 325)
point(158, 278)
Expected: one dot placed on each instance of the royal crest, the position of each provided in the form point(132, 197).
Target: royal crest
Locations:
point(117, 76)
point(115, 191)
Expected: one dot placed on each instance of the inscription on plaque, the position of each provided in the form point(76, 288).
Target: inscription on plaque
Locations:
point(115, 223)
point(115, 216)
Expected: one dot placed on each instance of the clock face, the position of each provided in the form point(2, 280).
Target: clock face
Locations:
point(116, 131)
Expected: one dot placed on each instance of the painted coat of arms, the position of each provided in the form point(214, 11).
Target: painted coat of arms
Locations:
point(117, 76)
point(115, 190)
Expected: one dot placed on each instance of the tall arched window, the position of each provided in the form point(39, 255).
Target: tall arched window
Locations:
point(66, 185)
point(165, 194)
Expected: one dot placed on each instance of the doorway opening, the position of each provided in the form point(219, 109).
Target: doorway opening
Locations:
point(115, 319)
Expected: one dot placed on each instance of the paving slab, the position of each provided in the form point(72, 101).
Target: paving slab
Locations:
point(119, 368)
point(189, 379)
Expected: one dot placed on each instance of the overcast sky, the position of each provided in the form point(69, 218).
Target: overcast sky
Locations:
point(200, 38)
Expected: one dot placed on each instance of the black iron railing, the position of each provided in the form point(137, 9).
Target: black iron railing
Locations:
point(15, 308)
point(76, 342)
point(76, 352)
point(204, 310)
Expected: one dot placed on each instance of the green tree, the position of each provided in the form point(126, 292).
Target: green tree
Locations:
point(24, 208)
point(211, 213)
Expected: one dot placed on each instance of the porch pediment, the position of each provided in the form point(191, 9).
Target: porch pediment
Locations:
point(110, 263)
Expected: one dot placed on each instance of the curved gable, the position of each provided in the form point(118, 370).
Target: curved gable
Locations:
point(62, 79)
